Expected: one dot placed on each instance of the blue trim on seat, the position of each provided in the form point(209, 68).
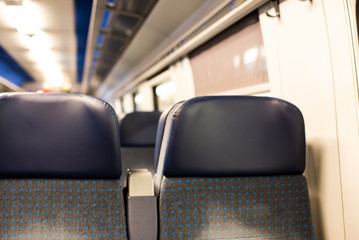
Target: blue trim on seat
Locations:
point(82, 22)
point(11, 70)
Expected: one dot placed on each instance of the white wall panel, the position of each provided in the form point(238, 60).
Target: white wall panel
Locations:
point(299, 53)
point(181, 74)
point(343, 42)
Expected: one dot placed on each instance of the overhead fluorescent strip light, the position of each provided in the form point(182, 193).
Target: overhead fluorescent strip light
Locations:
point(106, 19)
point(13, 2)
point(100, 39)
point(24, 17)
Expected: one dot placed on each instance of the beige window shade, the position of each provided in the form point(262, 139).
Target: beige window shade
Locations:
point(233, 59)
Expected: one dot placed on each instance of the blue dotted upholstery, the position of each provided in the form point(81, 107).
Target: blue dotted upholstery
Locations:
point(273, 207)
point(61, 209)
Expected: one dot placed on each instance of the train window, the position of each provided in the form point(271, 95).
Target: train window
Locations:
point(234, 59)
point(164, 95)
point(128, 103)
point(119, 106)
point(122, 105)
point(138, 101)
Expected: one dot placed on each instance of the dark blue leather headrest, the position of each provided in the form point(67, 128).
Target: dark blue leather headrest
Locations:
point(138, 129)
point(58, 136)
point(234, 136)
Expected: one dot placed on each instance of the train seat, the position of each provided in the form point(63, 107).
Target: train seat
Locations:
point(59, 168)
point(230, 167)
point(138, 137)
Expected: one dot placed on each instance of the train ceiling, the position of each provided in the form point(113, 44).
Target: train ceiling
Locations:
point(119, 34)
point(40, 37)
point(120, 22)
point(135, 28)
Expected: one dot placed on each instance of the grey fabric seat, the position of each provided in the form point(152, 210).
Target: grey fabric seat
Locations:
point(62, 209)
point(138, 137)
point(231, 168)
point(59, 168)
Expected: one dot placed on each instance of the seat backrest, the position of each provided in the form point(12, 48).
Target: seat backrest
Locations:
point(231, 167)
point(138, 137)
point(59, 168)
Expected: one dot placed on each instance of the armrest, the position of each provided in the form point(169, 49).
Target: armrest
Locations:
point(140, 183)
point(141, 206)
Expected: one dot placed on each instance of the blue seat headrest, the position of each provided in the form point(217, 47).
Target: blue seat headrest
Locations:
point(138, 129)
point(232, 136)
point(58, 136)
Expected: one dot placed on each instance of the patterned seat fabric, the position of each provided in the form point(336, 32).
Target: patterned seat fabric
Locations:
point(61, 209)
point(273, 207)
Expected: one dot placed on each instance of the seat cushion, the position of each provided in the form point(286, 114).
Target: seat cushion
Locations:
point(61, 209)
point(272, 207)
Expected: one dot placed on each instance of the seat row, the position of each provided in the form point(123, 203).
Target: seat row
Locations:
point(225, 167)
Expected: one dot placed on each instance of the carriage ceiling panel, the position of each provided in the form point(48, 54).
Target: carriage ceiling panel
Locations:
point(57, 21)
point(163, 19)
point(120, 22)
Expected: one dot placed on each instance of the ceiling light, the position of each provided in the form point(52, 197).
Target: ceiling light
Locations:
point(13, 2)
point(40, 49)
point(24, 17)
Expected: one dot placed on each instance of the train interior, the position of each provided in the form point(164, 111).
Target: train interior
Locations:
point(165, 119)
